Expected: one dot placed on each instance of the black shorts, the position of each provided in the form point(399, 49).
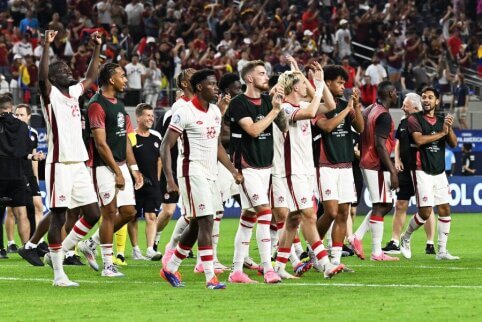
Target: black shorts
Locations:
point(405, 186)
point(32, 186)
point(147, 200)
point(15, 190)
point(358, 179)
point(165, 196)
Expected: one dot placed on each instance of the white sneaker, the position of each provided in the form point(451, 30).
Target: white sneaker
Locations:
point(89, 254)
point(446, 256)
point(64, 282)
point(137, 255)
point(111, 271)
point(152, 255)
point(405, 247)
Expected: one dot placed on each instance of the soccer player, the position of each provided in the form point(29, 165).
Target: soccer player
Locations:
point(251, 146)
point(148, 156)
point(169, 201)
point(404, 165)
point(430, 133)
point(199, 123)
point(377, 143)
point(68, 181)
point(335, 179)
point(298, 167)
point(111, 160)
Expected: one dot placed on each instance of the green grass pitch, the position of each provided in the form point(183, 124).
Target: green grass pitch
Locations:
point(419, 290)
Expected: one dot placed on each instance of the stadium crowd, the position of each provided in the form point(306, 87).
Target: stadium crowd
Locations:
point(306, 53)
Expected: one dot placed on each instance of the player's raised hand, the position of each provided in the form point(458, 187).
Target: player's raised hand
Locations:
point(96, 37)
point(223, 102)
point(278, 97)
point(293, 63)
point(50, 36)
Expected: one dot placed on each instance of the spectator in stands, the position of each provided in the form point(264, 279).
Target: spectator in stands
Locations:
point(4, 63)
point(56, 24)
point(394, 61)
point(23, 47)
point(282, 66)
point(103, 9)
point(350, 83)
point(152, 84)
point(376, 71)
point(4, 87)
point(135, 73)
point(29, 23)
point(449, 162)
point(461, 100)
point(37, 53)
point(468, 160)
point(368, 92)
point(454, 43)
point(343, 41)
point(134, 11)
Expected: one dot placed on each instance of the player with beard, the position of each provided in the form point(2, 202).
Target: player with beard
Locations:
point(68, 181)
point(430, 133)
point(251, 147)
point(199, 123)
point(110, 160)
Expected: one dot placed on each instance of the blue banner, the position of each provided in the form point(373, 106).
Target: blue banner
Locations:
point(469, 136)
point(42, 140)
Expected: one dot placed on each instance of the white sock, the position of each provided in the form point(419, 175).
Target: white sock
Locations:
point(181, 225)
point(376, 226)
point(415, 223)
point(42, 240)
point(396, 242)
point(180, 253)
point(336, 251)
point(107, 254)
point(158, 237)
point(282, 258)
point(294, 259)
point(136, 249)
point(365, 225)
point(328, 240)
point(297, 245)
point(206, 255)
point(57, 257)
point(80, 229)
point(10, 242)
point(69, 253)
point(30, 245)
point(443, 233)
point(321, 255)
point(96, 239)
point(263, 239)
point(242, 240)
point(215, 235)
point(150, 249)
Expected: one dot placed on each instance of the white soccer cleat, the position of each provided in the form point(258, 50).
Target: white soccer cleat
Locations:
point(137, 255)
point(330, 270)
point(89, 254)
point(446, 256)
point(64, 282)
point(219, 266)
point(111, 271)
point(152, 255)
point(405, 247)
point(284, 274)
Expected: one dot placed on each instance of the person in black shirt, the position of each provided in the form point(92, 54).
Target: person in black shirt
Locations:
point(405, 165)
point(14, 135)
point(468, 160)
point(147, 154)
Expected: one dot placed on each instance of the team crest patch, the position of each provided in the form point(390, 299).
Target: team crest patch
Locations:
point(202, 207)
point(176, 119)
point(327, 192)
point(62, 198)
point(255, 197)
point(156, 145)
point(106, 195)
point(199, 122)
point(425, 199)
point(281, 199)
point(304, 200)
point(218, 120)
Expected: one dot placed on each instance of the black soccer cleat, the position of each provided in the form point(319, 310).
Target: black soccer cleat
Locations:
point(190, 255)
point(430, 249)
point(73, 261)
point(391, 248)
point(12, 248)
point(31, 256)
point(3, 254)
point(42, 249)
point(347, 251)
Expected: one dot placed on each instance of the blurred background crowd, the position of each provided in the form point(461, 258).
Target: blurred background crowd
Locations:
point(412, 43)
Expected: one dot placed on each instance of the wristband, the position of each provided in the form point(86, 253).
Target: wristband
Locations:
point(134, 167)
point(319, 88)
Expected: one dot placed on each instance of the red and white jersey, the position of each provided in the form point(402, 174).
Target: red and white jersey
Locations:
point(199, 131)
point(293, 152)
point(64, 127)
point(181, 103)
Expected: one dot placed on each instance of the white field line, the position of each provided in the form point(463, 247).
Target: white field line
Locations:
point(123, 281)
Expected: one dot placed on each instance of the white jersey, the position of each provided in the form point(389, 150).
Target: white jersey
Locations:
point(293, 152)
point(181, 103)
point(64, 127)
point(199, 131)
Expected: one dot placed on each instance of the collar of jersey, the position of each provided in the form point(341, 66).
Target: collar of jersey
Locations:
point(197, 104)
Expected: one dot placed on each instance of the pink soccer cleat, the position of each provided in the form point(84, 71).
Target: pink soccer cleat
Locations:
point(383, 258)
point(199, 268)
point(167, 257)
point(240, 277)
point(271, 277)
point(357, 246)
point(330, 270)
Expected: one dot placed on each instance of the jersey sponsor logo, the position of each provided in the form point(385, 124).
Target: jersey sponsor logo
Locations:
point(255, 197)
point(218, 120)
point(75, 110)
point(327, 192)
point(32, 137)
point(202, 207)
point(304, 200)
point(176, 119)
point(199, 122)
point(281, 199)
point(120, 120)
point(259, 117)
point(106, 196)
point(304, 128)
point(425, 199)
point(62, 198)
point(138, 146)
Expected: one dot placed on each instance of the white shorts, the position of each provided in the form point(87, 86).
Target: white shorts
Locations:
point(277, 194)
point(378, 185)
point(200, 196)
point(226, 184)
point(299, 191)
point(69, 185)
point(104, 181)
point(255, 188)
point(431, 190)
point(336, 184)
